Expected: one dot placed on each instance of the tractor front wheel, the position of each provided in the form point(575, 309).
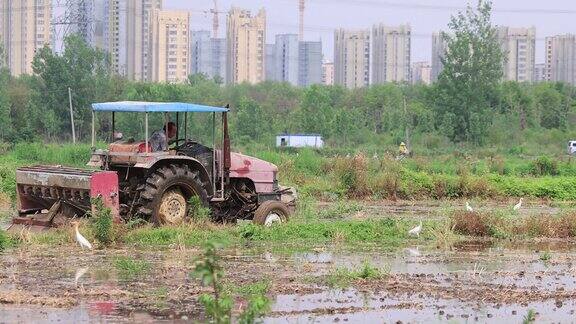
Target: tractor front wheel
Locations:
point(167, 190)
point(270, 213)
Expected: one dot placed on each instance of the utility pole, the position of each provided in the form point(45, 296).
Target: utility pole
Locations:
point(71, 115)
point(407, 126)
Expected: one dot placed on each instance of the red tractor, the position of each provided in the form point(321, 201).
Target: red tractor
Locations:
point(135, 181)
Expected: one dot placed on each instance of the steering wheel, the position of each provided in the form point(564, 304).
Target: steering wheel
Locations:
point(177, 144)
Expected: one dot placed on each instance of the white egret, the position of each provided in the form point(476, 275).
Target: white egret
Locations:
point(519, 204)
point(468, 207)
point(81, 239)
point(416, 230)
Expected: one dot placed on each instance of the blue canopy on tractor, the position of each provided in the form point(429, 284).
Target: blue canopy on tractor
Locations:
point(137, 106)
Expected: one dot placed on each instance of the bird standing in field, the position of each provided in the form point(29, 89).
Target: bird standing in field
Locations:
point(81, 239)
point(416, 230)
point(519, 205)
point(468, 207)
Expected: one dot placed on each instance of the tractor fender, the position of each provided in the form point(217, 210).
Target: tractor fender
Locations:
point(192, 163)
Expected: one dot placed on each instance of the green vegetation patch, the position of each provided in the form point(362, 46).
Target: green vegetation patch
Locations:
point(509, 224)
point(129, 268)
point(342, 277)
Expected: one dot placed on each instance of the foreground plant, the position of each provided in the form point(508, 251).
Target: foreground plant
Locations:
point(101, 223)
point(208, 269)
point(219, 304)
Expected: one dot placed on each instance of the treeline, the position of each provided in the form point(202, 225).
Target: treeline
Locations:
point(37, 107)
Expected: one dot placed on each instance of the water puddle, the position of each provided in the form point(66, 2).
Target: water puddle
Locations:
point(359, 307)
point(474, 282)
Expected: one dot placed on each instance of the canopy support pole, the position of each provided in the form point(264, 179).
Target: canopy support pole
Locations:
point(146, 130)
point(186, 126)
point(177, 126)
point(214, 152)
point(93, 129)
point(113, 126)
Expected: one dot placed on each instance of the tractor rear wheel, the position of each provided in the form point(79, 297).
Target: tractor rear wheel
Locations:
point(167, 190)
point(270, 213)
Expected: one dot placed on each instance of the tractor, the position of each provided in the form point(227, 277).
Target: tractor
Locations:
point(135, 181)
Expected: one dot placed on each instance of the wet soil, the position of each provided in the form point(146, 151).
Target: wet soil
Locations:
point(474, 281)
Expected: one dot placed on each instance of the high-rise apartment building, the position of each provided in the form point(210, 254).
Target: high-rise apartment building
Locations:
point(327, 73)
point(208, 55)
point(561, 58)
point(519, 47)
point(540, 72)
point(310, 63)
point(169, 46)
point(421, 73)
point(270, 59)
point(98, 14)
point(246, 39)
point(128, 34)
point(286, 59)
point(352, 58)
point(24, 28)
point(439, 48)
point(390, 54)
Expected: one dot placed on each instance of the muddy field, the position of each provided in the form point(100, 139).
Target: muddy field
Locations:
point(472, 281)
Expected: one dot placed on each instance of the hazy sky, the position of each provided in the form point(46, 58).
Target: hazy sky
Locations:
point(550, 17)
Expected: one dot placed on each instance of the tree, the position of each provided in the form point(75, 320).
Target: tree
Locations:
point(81, 68)
point(466, 88)
point(553, 111)
point(249, 120)
point(5, 111)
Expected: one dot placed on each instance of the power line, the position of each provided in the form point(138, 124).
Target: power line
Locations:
point(390, 4)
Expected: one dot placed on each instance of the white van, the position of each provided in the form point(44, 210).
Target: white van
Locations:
point(572, 147)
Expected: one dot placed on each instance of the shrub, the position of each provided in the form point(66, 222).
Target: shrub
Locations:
point(469, 223)
point(388, 180)
point(352, 175)
point(544, 166)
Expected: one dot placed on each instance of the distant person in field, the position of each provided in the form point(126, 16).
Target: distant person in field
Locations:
point(403, 150)
point(160, 139)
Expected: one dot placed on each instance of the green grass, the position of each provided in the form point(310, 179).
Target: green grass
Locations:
point(291, 236)
point(342, 277)
point(249, 290)
point(5, 240)
point(545, 256)
point(474, 173)
point(129, 268)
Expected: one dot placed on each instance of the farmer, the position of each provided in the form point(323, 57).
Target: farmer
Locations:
point(160, 139)
point(403, 150)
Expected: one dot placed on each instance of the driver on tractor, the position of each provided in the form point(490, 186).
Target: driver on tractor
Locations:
point(160, 139)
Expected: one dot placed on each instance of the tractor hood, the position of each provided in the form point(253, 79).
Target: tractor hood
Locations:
point(244, 163)
point(262, 173)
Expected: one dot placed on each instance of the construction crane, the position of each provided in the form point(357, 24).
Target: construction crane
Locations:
point(301, 8)
point(215, 23)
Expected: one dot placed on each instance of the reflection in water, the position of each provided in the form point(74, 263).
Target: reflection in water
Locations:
point(80, 272)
